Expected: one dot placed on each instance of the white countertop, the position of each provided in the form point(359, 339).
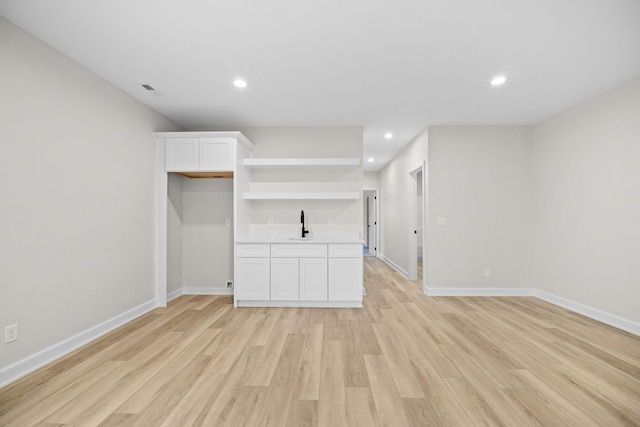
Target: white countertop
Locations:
point(320, 240)
point(288, 236)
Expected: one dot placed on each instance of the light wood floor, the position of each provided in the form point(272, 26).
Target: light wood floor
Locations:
point(404, 359)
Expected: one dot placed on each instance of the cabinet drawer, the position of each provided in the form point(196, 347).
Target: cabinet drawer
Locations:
point(298, 250)
point(253, 250)
point(351, 250)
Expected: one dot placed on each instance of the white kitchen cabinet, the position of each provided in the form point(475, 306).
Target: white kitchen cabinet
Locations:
point(199, 154)
point(298, 275)
point(284, 279)
point(182, 154)
point(313, 279)
point(252, 277)
point(216, 154)
point(345, 272)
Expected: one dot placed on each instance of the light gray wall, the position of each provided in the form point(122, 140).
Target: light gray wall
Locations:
point(480, 181)
point(77, 221)
point(371, 180)
point(587, 203)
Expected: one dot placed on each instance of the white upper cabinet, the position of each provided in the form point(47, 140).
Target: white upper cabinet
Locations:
point(216, 154)
point(182, 154)
point(201, 151)
point(199, 154)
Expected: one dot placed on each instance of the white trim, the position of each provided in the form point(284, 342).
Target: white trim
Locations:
point(162, 182)
point(412, 272)
point(478, 292)
point(309, 304)
point(174, 294)
point(29, 364)
point(198, 291)
point(376, 225)
point(393, 265)
point(206, 291)
point(592, 313)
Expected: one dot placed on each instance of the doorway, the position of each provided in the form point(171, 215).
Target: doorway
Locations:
point(416, 224)
point(370, 197)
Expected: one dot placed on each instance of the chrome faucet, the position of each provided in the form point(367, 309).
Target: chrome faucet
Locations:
point(304, 230)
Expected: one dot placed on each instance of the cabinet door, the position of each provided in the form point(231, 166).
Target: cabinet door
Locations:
point(182, 154)
point(216, 154)
point(284, 279)
point(345, 279)
point(313, 279)
point(252, 279)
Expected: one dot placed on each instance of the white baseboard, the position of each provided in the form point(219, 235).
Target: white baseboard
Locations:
point(206, 291)
point(198, 291)
point(29, 364)
point(478, 292)
point(592, 313)
point(393, 265)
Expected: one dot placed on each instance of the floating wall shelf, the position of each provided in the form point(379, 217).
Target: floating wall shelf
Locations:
point(302, 196)
point(306, 162)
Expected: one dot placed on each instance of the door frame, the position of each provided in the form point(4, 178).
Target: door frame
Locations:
point(376, 230)
point(412, 268)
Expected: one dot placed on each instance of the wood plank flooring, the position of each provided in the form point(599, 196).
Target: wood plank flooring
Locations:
point(403, 360)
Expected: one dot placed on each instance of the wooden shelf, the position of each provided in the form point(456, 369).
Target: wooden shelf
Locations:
point(306, 162)
point(302, 196)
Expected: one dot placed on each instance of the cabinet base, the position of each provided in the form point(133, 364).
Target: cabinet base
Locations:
point(304, 304)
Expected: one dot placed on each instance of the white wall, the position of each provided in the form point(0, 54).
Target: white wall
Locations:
point(480, 181)
point(394, 202)
point(587, 203)
point(77, 220)
point(371, 179)
point(307, 142)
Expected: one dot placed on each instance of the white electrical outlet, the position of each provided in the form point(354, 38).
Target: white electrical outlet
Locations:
point(228, 221)
point(330, 221)
point(487, 272)
point(10, 333)
point(270, 221)
point(229, 284)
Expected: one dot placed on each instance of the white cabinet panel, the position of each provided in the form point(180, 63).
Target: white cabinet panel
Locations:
point(199, 154)
point(252, 279)
point(284, 279)
point(346, 250)
point(345, 279)
point(216, 154)
point(313, 279)
point(299, 250)
point(253, 250)
point(182, 154)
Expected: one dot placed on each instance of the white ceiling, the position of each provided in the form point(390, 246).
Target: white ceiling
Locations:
point(389, 66)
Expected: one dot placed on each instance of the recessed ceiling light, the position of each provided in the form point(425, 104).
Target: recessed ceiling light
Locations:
point(388, 135)
point(498, 80)
point(370, 159)
point(239, 83)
